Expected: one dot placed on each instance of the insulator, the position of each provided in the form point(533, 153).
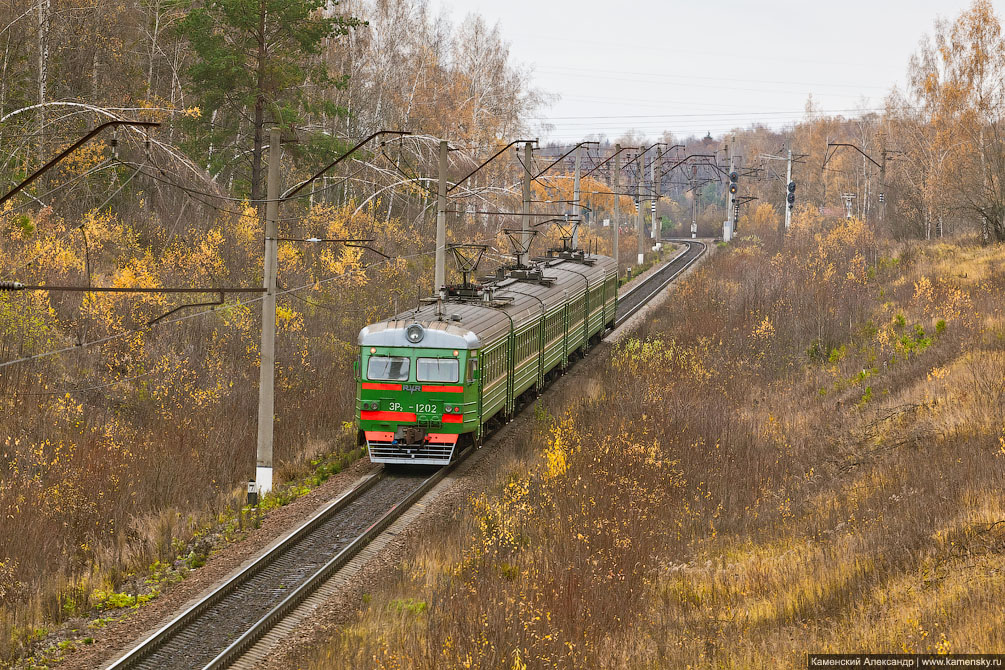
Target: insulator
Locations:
point(11, 286)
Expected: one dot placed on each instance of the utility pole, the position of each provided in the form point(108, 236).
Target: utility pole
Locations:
point(823, 179)
point(729, 195)
point(616, 183)
point(848, 198)
point(785, 204)
point(262, 483)
point(694, 213)
point(641, 215)
point(656, 196)
point(439, 271)
point(832, 148)
point(882, 179)
point(575, 197)
point(267, 367)
point(524, 256)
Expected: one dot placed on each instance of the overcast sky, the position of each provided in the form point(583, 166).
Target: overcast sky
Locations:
point(706, 65)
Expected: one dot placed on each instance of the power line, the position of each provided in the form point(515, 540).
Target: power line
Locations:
point(702, 115)
point(68, 391)
point(70, 149)
point(104, 165)
point(620, 74)
point(129, 331)
point(70, 231)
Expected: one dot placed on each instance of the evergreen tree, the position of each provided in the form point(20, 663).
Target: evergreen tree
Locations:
point(254, 61)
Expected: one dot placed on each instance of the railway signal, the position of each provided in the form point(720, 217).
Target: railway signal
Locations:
point(734, 177)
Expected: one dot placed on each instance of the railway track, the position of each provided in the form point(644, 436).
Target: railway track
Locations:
point(216, 630)
point(634, 299)
point(221, 626)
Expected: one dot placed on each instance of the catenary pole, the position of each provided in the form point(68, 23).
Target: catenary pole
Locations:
point(641, 216)
point(694, 212)
point(267, 367)
point(576, 209)
point(785, 204)
point(616, 224)
point(524, 256)
point(882, 179)
point(439, 272)
point(656, 196)
point(730, 198)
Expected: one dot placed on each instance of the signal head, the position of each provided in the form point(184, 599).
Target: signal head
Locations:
point(791, 198)
point(733, 188)
point(792, 187)
point(734, 176)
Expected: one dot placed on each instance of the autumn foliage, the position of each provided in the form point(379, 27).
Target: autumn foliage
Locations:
point(808, 466)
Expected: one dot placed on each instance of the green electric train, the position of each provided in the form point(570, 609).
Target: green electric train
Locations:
point(430, 380)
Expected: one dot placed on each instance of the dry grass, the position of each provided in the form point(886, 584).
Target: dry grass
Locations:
point(813, 463)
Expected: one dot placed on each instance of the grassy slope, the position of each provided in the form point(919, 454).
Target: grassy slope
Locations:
point(814, 464)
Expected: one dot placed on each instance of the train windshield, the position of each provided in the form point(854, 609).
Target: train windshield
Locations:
point(387, 368)
point(436, 369)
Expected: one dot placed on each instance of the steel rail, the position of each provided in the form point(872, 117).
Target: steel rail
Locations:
point(673, 275)
point(168, 631)
point(657, 271)
point(242, 644)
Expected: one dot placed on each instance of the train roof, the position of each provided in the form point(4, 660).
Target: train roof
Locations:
point(465, 323)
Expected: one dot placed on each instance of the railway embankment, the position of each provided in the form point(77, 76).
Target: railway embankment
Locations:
point(800, 452)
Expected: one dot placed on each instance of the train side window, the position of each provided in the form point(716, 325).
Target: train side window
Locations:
point(472, 369)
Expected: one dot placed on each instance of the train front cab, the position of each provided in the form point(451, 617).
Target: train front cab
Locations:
point(415, 401)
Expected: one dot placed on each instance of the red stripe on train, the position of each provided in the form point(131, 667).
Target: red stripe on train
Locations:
point(453, 418)
point(387, 416)
point(369, 386)
point(444, 389)
point(441, 438)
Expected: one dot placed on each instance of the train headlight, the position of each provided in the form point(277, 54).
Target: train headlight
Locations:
point(414, 333)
